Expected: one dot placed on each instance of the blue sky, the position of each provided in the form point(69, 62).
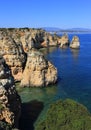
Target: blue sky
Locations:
point(45, 13)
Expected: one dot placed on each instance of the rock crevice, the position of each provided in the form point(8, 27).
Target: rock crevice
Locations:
point(10, 103)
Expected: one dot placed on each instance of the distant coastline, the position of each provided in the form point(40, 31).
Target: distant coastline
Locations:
point(72, 30)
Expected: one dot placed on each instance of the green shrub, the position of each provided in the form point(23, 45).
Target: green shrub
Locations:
point(5, 126)
point(66, 115)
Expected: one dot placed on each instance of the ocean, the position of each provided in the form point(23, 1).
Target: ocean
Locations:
point(74, 81)
point(74, 70)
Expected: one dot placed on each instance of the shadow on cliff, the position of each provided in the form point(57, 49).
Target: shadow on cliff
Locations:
point(30, 113)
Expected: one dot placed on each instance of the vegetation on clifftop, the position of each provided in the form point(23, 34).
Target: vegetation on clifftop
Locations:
point(66, 115)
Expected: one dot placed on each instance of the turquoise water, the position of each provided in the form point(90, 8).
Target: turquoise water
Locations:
point(74, 81)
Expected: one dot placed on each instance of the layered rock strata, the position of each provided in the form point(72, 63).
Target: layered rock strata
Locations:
point(14, 56)
point(64, 41)
point(29, 38)
point(38, 71)
point(75, 43)
point(10, 103)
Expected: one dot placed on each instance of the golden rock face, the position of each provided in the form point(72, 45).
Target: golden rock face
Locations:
point(38, 71)
point(75, 43)
point(64, 41)
point(10, 103)
point(16, 48)
point(14, 56)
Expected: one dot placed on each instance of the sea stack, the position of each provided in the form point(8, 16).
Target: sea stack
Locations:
point(64, 41)
point(38, 71)
point(10, 103)
point(75, 44)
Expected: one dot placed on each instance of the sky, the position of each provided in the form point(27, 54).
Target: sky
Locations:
point(63, 14)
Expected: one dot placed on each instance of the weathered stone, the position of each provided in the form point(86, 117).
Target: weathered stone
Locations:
point(75, 44)
point(64, 41)
point(14, 56)
point(16, 45)
point(10, 103)
point(38, 71)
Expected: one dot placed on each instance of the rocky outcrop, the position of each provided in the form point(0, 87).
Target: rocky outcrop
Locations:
point(50, 40)
point(37, 38)
point(75, 44)
point(38, 71)
point(10, 103)
point(14, 55)
point(29, 38)
point(16, 48)
point(64, 41)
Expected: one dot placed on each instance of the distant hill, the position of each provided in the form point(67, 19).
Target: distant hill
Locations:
point(84, 29)
point(54, 29)
point(79, 29)
point(51, 29)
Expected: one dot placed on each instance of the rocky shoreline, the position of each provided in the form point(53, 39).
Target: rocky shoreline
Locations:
point(17, 44)
point(10, 103)
point(21, 60)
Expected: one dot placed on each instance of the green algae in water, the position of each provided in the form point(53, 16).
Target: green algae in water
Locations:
point(46, 95)
point(42, 94)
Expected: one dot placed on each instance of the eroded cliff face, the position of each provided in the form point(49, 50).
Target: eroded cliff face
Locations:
point(29, 38)
point(75, 43)
point(38, 71)
point(10, 103)
point(14, 55)
point(64, 41)
point(27, 64)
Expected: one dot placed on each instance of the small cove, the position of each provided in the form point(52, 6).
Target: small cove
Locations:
point(74, 81)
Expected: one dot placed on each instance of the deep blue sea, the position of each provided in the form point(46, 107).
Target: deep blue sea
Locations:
point(74, 70)
point(74, 80)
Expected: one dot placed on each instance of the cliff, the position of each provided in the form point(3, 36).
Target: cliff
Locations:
point(10, 103)
point(13, 54)
point(38, 71)
point(64, 41)
point(17, 49)
point(75, 43)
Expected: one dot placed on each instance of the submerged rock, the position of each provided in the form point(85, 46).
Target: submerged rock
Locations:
point(75, 44)
point(10, 103)
point(38, 71)
point(66, 115)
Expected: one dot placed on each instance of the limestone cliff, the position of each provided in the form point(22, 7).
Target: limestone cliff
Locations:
point(14, 55)
point(29, 38)
point(64, 41)
point(17, 49)
point(10, 103)
point(38, 71)
point(75, 43)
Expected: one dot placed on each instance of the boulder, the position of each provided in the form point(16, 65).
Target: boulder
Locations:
point(38, 71)
point(10, 103)
point(75, 43)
